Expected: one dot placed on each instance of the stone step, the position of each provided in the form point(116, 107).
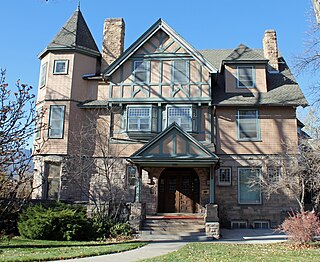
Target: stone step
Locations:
point(193, 236)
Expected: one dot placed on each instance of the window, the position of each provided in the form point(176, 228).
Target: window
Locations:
point(224, 178)
point(56, 121)
point(52, 183)
point(235, 224)
point(132, 174)
point(184, 116)
point(179, 71)
point(60, 67)
point(141, 71)
point(142, 119)
point(38, 123)
point(261, 224)
point(248, 124)
point(274, 174)
point(249, 191)
point(245, 77)
point(43, 74)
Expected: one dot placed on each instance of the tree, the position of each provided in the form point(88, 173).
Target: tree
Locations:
point(18, 118)
point(95, 165)
point(293, 174)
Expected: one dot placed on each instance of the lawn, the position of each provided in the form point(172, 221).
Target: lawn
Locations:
point(243, 252)
point(20, 249)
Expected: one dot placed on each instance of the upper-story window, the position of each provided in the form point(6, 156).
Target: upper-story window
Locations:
point(274, 174)
point(179, 71)
point(56, 121)
point(245, 77)
point(141, 119)
point(141, 70)
point(184, 116)
point(248, 127)
point(43, 74)
point(60, 67)
point(224, 178)
point(38, 123)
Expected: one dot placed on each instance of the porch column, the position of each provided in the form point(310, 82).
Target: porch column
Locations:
point(138, 185)
point(211, 184)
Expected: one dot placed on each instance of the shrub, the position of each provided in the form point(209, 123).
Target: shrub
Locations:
point(101, 226)
point(121, 229)
point(301, 227)
point(55, 222)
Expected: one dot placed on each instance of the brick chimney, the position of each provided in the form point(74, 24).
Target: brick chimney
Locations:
point(270, 49)
point(113, 41)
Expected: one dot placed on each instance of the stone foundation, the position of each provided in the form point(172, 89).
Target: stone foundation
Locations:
point(213, 229)
point(137, 215)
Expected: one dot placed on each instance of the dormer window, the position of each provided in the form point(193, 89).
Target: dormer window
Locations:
point(141, 69)
point(179, 71)
point(60, 67)
point(245, 77)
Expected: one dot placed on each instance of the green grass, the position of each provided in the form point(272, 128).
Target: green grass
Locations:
point(20, 249)
point(198, 252)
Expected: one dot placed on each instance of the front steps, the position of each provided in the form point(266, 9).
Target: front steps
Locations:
point(174, 227)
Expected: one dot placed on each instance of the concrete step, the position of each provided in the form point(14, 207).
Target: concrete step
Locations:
point(191, 236)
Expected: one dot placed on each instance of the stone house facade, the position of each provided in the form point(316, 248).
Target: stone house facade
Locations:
point(175, 129)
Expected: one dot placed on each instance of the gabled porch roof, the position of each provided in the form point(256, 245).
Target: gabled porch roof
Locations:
point(174, 147)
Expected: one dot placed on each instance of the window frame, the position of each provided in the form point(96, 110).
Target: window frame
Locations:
point(257, 123)
point(38, 124)
point(193, 116)
point(239, 187)
point(186, 63)
point(50, 119)
point(276, 175)
point(253, 76)
point(260, 222)
point(225, 183)
point(65, 72)
point(43, 74)
point(139, 118)
point(46, 184)
point(147, 71)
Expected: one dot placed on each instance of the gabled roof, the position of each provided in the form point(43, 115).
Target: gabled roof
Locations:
point(243, 53)
point(74, 35)
point(174, 145)
point(160, 24)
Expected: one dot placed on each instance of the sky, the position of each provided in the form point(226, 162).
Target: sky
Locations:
point(28, 26)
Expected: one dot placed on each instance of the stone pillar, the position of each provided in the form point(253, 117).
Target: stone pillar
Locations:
point(270, 49)
point(212, 221)
point(113, 41)
point(137, 215)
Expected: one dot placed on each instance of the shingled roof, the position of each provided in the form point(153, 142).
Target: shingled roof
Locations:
point(74, 35)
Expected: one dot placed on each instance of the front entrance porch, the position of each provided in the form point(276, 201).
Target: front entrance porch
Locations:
point(178, 191)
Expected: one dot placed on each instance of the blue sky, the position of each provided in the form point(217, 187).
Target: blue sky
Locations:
point(27, 26)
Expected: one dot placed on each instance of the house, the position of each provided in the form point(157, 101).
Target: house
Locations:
point(184, 130)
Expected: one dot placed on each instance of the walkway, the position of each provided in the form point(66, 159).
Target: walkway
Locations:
point(158, 248)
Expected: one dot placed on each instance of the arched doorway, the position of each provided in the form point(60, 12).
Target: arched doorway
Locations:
point(178, 191)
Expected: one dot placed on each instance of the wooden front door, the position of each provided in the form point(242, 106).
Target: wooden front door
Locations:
point(178, 191)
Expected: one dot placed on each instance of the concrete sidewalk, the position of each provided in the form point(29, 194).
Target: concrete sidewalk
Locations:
point(158, 248)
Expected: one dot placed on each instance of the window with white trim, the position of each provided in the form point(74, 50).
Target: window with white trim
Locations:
point(141, 70)
point(245, 77)
point(141, 119)
point(249, 190)
point(248, 127)
point(184, 116)
point(56, 121)
point(261, 224)
point(224, 177)
point(60, 67)
point(179, 71)
point(43, 74)
point(235, 224)
point(274, 174)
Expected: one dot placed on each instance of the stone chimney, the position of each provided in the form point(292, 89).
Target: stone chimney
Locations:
point(113, 41)
point(270, 49)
